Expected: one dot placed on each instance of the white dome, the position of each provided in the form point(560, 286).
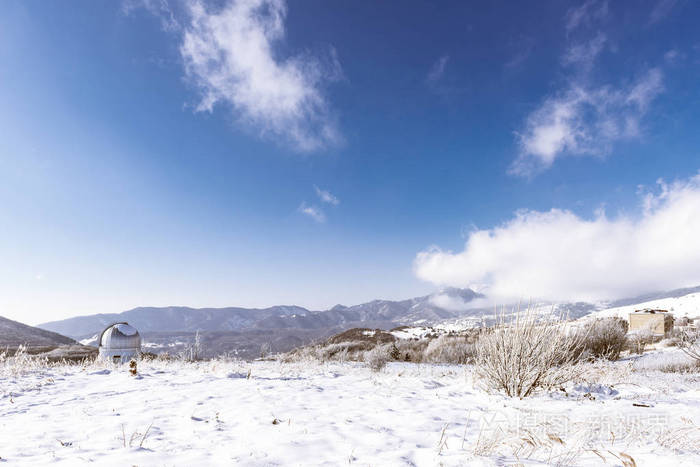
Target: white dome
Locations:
point(120, 336)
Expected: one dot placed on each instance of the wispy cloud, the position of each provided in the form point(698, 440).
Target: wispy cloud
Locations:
point(584, 117)
point(645, 90)
point(230, 54)
point(314, 212)
point(672, 56)
point(582, 121)
point(523, 46)
point(326, 196)
point(437, 70)
point(584, 54)
point(583, 15)
point(661, 10)
point(162, 9)
point(557, 255)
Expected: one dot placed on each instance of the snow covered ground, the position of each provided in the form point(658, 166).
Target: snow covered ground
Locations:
point(686, 305)
point(270, 413)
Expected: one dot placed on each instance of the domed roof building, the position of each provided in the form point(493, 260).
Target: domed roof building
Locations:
point(119, 343)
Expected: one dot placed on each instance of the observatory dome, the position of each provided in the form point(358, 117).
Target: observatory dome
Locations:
point(119, 342)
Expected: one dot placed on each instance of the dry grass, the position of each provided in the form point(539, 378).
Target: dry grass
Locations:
point(668, 362)
point(20, 362)
point(135, 436)
point(543, 443)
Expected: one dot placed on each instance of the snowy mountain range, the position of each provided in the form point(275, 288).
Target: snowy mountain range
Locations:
point(243, 331)
point(446, 304)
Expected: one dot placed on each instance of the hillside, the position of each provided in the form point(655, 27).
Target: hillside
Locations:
point(13, 334)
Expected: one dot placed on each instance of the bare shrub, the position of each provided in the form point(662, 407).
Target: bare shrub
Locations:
point(302, 354)
point(378, 357)
point(339, 351)
point(605, 338)
point(670, 342)
point(446, 349)
point(522, 355)
point(639, 340)
point(412, 350)
point(689, 343)
point(394, 352)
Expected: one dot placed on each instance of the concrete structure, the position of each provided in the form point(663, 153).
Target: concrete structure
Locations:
point(119, 343)
point(657, 322)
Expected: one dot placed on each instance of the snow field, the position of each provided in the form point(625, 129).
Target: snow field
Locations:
point(271, 413)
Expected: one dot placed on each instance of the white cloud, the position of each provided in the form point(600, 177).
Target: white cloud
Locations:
point(326, 196)
point(230, 54)
point(584, 121)
point(452, 303)
point(557, 255)
point(438, 69)
point(585, 14)
point(313, 212)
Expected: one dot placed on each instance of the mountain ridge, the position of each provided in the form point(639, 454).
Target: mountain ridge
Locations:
point(180, 318)
point(291, 320)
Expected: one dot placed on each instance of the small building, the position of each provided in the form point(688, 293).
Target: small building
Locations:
point(657, 322)
point(119, 343)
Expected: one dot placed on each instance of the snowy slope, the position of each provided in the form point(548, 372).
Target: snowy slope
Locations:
point(687, 305)
point(268, 413)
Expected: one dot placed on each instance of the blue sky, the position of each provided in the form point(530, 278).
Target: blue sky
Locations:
point(262, 152)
